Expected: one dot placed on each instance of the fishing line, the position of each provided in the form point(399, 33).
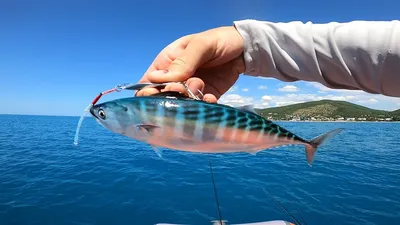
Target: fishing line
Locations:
point(80, 124)
point(87, 110)
point(287, 212)
point(301, 216)
point(215, 192)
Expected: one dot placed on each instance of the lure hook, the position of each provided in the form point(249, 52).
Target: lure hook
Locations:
point(191, 94)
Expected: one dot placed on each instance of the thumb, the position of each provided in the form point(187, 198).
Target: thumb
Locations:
point(199, 50)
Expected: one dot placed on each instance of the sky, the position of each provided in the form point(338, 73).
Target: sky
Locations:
point(56, 56)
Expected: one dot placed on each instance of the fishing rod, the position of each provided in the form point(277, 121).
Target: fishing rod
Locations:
point(287, 212)
point(221, 222)
point(215, 192)
point(301, 216)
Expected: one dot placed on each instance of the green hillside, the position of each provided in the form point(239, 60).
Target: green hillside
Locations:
point(326, 110)
point(396, 113)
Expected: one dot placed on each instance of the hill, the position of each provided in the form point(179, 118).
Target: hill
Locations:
point(327, 110)
point(396, 113)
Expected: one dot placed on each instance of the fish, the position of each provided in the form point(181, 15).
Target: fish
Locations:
point(175, 121)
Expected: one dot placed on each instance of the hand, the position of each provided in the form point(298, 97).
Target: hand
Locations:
point(210, 61)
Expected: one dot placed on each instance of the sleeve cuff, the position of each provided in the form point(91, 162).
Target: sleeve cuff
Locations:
point(250, 53)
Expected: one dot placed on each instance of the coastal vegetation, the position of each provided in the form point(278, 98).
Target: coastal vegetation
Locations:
point(328, 110)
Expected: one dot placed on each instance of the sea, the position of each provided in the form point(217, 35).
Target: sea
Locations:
point(110, 179)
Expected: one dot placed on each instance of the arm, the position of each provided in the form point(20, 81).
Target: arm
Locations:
point(359, 55)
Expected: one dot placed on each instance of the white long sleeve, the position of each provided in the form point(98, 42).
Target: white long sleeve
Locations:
point(363, 55)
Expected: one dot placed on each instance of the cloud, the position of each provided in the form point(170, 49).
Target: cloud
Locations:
point(262, 87)
point(369, 101)
point(373, 101)
point(266, 98)
point(289, 88)
point(359, 97)
point(245, 89)
point(338, 98)
point(236, 100)
point(277, 100)
point(261, 105)
point(232, 89)
point(319, 92)
point(281, 100)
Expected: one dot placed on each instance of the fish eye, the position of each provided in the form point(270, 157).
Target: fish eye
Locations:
point(102, 114)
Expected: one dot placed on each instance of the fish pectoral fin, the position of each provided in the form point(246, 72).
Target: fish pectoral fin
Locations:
point(147, 127)
point(157, 150)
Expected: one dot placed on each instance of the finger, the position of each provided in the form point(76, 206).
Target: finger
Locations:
point(166, 56)
point(199, 50)
point(147, 92)
point(177, 87)
point(195, 84)
point(210, 98)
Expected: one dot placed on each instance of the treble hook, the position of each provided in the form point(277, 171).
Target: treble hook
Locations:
point(191, 93)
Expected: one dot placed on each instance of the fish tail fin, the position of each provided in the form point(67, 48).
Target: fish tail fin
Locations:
point(312, 146)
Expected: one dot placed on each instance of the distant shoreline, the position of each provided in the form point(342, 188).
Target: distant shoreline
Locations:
point(335, 121)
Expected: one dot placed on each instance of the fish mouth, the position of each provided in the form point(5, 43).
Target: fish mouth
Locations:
point(92, 112)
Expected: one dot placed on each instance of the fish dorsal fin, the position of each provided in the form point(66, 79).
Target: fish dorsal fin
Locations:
point(247, 108)
point(171, 94)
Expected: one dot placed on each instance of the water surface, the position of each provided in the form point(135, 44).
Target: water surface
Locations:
point(110, 179)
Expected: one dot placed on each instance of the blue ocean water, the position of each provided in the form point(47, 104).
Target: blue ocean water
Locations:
point(110, 179)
